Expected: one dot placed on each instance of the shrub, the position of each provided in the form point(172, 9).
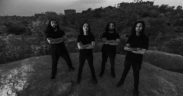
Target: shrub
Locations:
point(16, 47)
point(15, 28)
point(174, 46)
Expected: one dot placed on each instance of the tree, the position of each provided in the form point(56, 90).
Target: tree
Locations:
point(15, 28)
point(179, 8)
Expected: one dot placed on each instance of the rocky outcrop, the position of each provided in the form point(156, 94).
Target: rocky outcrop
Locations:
point(31, 77)
point(168, 61)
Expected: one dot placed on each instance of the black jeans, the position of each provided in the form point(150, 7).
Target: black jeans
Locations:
point(136, 66)
point(105, 55)
point(56, 53)
point(83, 56)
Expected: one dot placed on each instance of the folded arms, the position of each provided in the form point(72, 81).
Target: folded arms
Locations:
point(56, 40)
point(134, 50)
point(86, 46)
point(111, 42)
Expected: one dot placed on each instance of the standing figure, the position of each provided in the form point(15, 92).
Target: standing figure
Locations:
point(86, 43)
point(110, 39)
point(56, 37)
point(136, 46)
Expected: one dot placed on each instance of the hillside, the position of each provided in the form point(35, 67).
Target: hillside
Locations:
point(24, 36)
point(31, 77)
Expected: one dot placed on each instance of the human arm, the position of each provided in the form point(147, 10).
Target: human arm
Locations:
point(91, 45)
point(114, 42)
point(144, 47)
point(80, 45)
point(86, 46)
point(139, 51)
point(56, 40)
point(128, 48)
point(53, 38)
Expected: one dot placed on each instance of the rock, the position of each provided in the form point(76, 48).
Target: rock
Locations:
point(31, 77)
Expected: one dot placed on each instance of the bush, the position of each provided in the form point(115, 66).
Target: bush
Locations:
point(174, 46)
point(17, 47)
point(15, 28)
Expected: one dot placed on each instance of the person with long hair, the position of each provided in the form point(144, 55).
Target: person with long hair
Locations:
point(136, 46)
point(56, 37)
point(86, 43)
point(110, 39)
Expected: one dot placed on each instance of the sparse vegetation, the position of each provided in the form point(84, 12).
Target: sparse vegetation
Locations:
point(24, 36)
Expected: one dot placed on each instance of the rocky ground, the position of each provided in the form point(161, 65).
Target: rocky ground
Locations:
point(31, 77)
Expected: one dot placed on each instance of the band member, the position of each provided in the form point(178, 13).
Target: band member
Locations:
point(56, 37)
point(86, 43)
point(110, 39)
point(136, 46)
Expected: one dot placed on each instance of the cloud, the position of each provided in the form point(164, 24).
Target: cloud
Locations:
point(30, 7)
point(89, 1)
point(85, 4)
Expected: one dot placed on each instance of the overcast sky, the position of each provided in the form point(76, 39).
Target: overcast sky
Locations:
point(30, 7)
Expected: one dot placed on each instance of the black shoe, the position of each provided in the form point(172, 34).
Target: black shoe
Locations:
point(113, 75)
point(71, 69)
point(52, 77)
point(94, 81)
point(101, 74)
point(135, 92)
point(78, 81)
point(119, 84)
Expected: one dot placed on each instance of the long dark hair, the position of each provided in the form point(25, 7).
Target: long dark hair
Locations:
point(50, 28)
point(133, 31)
point(89, 29)
point(107, 27)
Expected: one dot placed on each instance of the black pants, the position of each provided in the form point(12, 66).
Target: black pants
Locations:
point(56, 53)
point(105, 56)
point(136, 66)
point(83, 56)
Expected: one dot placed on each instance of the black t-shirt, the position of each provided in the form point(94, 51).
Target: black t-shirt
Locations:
point(110, 36)
point(85, 39)
point(137, 42)
point(55, 34)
